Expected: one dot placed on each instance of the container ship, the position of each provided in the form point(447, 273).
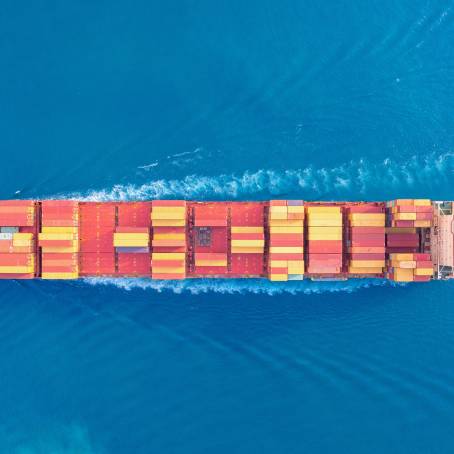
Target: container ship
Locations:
point(404, 240)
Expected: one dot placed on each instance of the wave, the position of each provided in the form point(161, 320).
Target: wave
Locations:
point(355, 177)
point(239, 286)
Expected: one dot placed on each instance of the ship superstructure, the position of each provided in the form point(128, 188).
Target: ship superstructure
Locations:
point(404, 240)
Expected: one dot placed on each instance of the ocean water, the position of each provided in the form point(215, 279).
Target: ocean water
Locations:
point(214, 100)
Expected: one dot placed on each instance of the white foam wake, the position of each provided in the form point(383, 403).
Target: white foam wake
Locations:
point(238, 286)
point(355, 177)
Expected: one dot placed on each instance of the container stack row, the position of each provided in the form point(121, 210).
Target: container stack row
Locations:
point(211, 239)
point(59, 239)
point(247, 238)
point(168, 221)
point(366, 246)
point(410, 213)
point(286, 249)
point(325, 235)
point(417, 267)
point(17, 239)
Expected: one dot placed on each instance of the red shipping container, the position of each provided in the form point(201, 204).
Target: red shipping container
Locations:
point(366, 208)
point(45, 268)
point(368, 243)
point(323, 247)
point(371, 256)
point(285, 242)
point(424, 216)
point(286, 256)
point(132, 230)
point(404, 223)
point(134, 264)
point(56, 243)
point(421, 278)
point(276, 270)
point(424, 209)
point(247, 236)
point(323, 270)
point(15, 220)
point(210, 270)
point(210, 256)
point(424, 264)
point(210, 222)
point(367, 236)
point(14, 259)
point(422, 256)
point(17, 203)
point(406, 209)
point(374, 230)
point(247, 264)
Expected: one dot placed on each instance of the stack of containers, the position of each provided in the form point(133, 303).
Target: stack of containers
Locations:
point(410, 213)
point(131, 239)
point(367, 239)
point(59, 239)
point(286, 224)
point(211, 220)
point(168, 220)
point(247, 239)
point(17, 227)
point(414, 267)
point(325, 239)
point(402, 240)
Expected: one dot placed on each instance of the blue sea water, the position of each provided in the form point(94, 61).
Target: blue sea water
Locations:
point(212, 100)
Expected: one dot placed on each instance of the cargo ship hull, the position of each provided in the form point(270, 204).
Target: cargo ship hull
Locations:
point(405, 240)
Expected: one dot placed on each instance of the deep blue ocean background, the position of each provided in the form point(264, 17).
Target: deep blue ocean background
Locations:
point(213, 100)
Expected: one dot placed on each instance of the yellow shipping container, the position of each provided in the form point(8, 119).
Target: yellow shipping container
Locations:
point(169, 236)
point(59, 229)
point(168, 269)
point(405, 202)
point(180, 210)
point(367, 263)
point(424, 272)
point(325, 222)
point(278, 209)
point(157, 215)
point(23, 236)
point(247, 229)
point(423, 202)
point(74, 248)
point(247, 250)
point(324, 237)
point(277, 216)
point(248, 243)
point(401, 256)
point(22, 243)
point(295, 269)
point(367, 223)
point(408, 264)
point(367, 216)
point(405, 216)
point(278, 263)
point(403, 275)
point(323, 209)
point(295, 209)
point(278, 277)
point(168, 256)
point(325, 229)
point(277, 230)
point(169, 223)
point(286, 250)
point(60, 275)
point(360, 270)
point(423, 223)
point(211, 263)
point(57, 236)
point(17, 269)
point(285, 223)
